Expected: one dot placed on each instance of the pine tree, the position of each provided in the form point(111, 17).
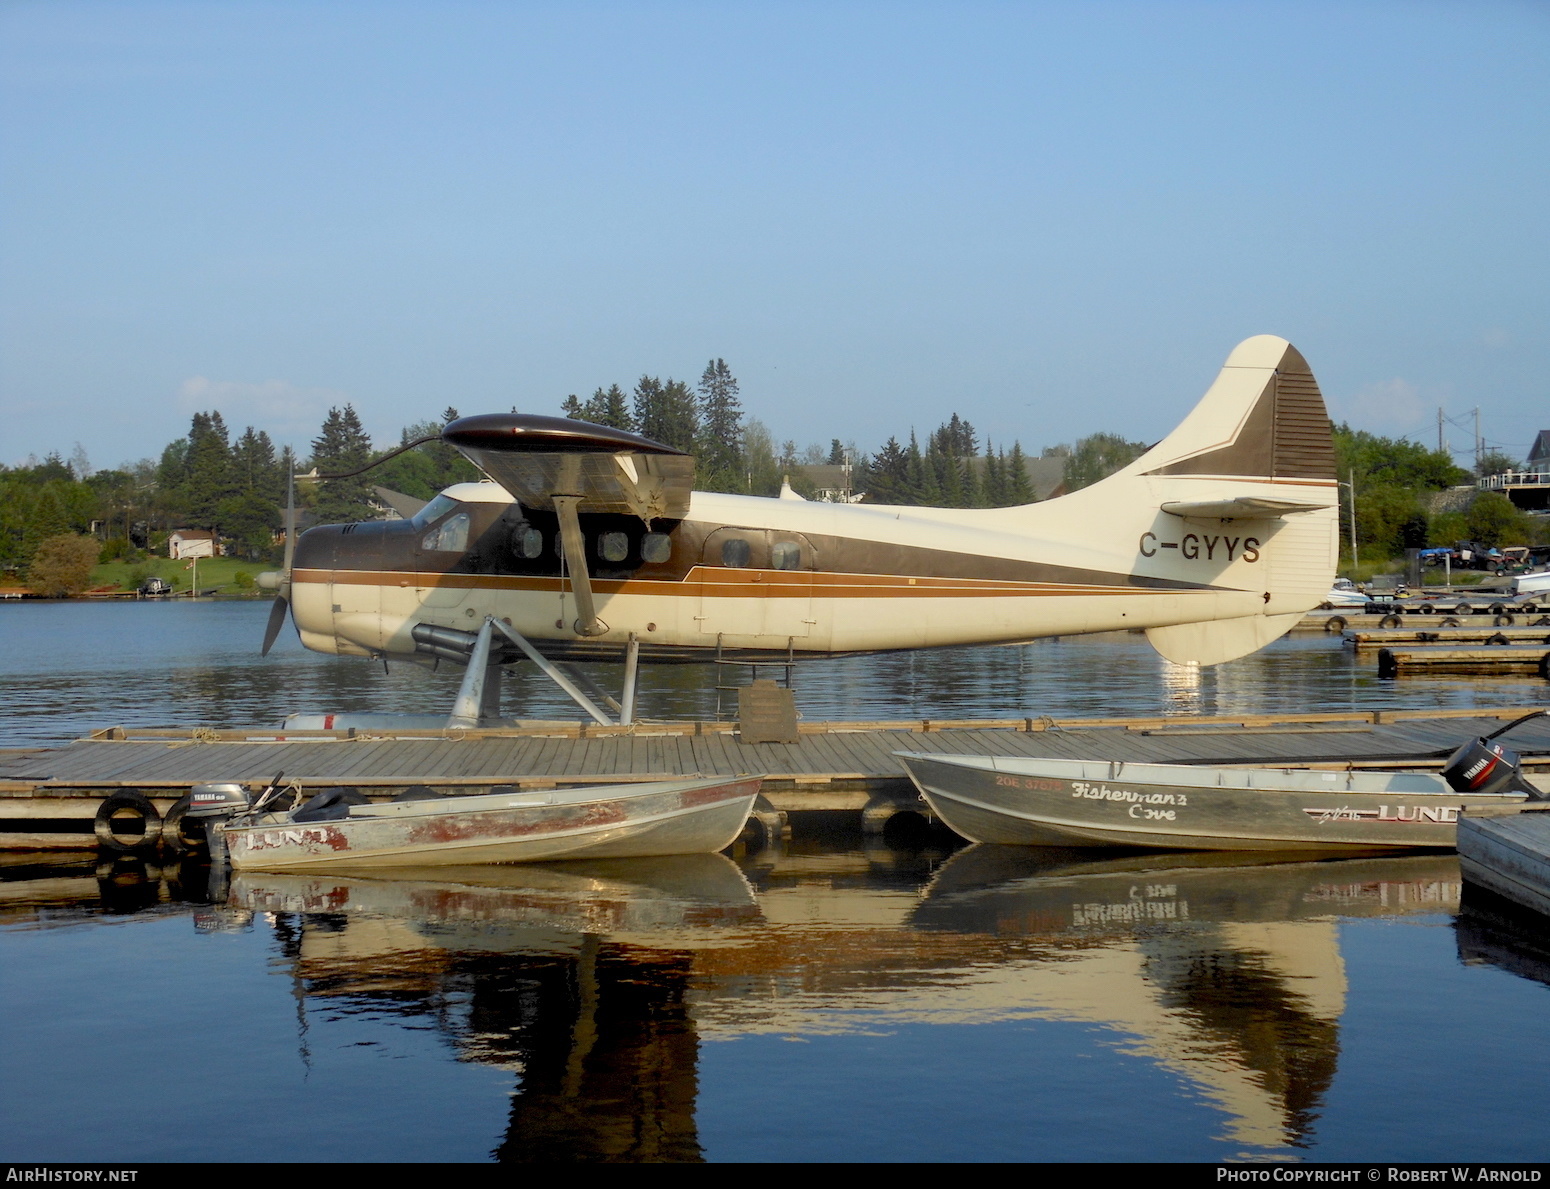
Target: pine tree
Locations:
point(722, 466)
point(254, 466)
point(1016, 487)
point(608, 407)
point(572, 408)
point(667, 413)
point(45, 521)
point(343, 445)
point(924, 488)
point(210, 478)
point(887, 476)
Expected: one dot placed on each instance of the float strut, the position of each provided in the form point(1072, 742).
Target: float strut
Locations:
point(550, 671)
point(631, 663)
point(470, 695)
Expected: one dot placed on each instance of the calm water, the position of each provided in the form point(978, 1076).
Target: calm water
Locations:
point(67, 668)
point(832, 998)
point(822, 1002)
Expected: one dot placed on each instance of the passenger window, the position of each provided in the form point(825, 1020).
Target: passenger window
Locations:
point(656, 548)
point(735, 552)
point(526, 541)
point(613, 546)
point(786, 555)
point(450, 537)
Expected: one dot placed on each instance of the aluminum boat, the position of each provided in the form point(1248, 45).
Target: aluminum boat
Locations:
point(1048, 802)
point(675, 817)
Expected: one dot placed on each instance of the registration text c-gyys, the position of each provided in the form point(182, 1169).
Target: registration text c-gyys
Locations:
point(1204, 547)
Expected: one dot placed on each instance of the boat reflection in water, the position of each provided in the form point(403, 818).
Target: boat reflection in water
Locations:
point(1228, 973)
point(597, 983)
point(572, 975)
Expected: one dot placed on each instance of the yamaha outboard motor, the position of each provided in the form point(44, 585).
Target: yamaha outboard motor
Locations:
point(213, 805)
point(1481, 766)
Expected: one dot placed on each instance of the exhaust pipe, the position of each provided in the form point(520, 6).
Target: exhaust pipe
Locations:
point(447, 643)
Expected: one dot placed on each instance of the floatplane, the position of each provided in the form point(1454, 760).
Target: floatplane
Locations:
point(589, 543)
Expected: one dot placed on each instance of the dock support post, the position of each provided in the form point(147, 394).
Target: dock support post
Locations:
point(631, 663)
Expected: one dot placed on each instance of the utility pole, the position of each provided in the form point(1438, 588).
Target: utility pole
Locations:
point(1441, 448)
point(1479, 444)
point(1351, 508)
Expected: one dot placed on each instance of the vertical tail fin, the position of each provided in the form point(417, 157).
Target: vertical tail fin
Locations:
point(1254, 456)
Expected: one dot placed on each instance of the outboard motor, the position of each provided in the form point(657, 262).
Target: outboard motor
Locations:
point(1481, 766)
point(213, 805)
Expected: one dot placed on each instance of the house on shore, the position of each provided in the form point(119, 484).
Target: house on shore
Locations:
point(186, 543)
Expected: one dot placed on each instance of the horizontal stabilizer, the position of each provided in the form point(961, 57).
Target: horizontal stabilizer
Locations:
point(1248, 507)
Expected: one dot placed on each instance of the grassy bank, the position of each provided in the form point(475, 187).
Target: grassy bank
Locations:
point(224, 574)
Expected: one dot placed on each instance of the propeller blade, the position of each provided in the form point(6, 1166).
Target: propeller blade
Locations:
point(277, 613)
point(290, 521)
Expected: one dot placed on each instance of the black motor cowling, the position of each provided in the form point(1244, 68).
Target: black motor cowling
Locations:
point(214, 805)
point(1481, 766)
point(331, 805)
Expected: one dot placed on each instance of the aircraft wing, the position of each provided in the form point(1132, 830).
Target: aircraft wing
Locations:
point(607, 470)
point(1249, 507)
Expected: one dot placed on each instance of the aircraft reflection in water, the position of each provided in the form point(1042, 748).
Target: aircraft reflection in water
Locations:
point(1228, 974)
point(573, 975)
point(597, 982)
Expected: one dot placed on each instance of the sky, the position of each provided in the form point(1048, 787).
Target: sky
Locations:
point(1053, 219)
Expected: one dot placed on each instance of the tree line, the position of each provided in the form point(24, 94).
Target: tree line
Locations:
point(235, 486)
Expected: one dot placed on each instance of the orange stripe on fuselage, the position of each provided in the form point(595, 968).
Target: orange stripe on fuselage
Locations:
point(711, 582)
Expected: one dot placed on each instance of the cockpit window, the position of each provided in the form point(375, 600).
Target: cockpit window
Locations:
point(434, 510)
point(450, 537)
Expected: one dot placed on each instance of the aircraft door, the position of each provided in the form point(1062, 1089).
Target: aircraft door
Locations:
point(757, 583)
point(446, 539)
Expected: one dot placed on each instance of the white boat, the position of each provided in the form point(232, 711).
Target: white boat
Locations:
point(1048, 802)
point(674, 817)
point(1532, 583)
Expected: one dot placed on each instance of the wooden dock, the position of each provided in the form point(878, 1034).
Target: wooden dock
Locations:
point(1389, 637)
point(1337, 621)
point(1492, 659)
point(1507, 851)
point(50, 797)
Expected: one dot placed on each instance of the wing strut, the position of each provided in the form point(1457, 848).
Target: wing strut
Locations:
point(587, 622)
